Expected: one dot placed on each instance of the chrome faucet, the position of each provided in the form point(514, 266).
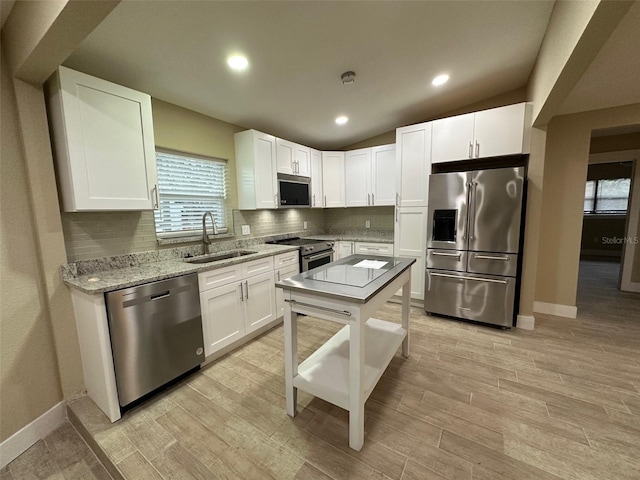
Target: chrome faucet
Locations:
point(206, 241)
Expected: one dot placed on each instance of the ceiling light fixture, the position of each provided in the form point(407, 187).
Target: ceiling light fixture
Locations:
point(342, 119)
point(238, 62)
point(440, 80)
point(348, 78)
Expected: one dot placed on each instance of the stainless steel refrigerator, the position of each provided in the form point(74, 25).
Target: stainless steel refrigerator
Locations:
point(473, 244)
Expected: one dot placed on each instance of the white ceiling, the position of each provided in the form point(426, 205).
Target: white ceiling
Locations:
point(176, 51)
point(613, 78)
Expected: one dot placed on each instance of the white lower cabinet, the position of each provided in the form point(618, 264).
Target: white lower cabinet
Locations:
point(235, 301)
point(364, 248)
point(281, 274)
point(345, 249)
point(410, 241)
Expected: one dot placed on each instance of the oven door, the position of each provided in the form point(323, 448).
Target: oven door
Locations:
point(316, 260)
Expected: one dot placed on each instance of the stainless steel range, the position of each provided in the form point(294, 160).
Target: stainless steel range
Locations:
point(313, 253)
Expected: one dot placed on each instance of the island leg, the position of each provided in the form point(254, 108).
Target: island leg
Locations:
point(406, 307)
point(290, 358)
point(356, 384)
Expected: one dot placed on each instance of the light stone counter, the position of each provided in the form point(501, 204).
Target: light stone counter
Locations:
point(98, 282)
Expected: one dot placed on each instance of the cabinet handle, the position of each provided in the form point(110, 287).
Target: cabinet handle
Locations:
point(368, 199)
point(470, 149)
point(325, 200)
point(278, 275)
point(314, 199)
point(246, 284)
point(397, 213)
point(155, 195)
point(443, 254)
point(373, 201)
point(241, 293)
point(477, 149)
point(491, 257)
point(397, 199)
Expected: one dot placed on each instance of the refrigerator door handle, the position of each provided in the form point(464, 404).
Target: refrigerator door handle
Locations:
point(476, 279)
point(472, 208)
point(443, 254)
point(491, 257)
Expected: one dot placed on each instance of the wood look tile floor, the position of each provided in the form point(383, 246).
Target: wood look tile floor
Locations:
point(471, 402)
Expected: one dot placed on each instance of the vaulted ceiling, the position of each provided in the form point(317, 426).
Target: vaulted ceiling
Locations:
point(177, 50)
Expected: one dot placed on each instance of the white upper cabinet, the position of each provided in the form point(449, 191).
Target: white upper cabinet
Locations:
point(357, 173)
point(383, 172)
point(367, 174)
point(317, 195)
point(292, 159)
point(453, 138)
point(103, 142)
point(302, 157)
point(488, 133)
point(413, 165)
point(256, 170)
point(285, 156)
point(333, 182)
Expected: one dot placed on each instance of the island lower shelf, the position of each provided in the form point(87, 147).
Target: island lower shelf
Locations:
point(325, 373)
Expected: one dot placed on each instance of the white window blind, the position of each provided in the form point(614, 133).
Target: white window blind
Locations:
point(188, 186)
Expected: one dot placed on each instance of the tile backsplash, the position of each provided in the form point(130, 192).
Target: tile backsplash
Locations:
point(346, 219)
point(90, 235)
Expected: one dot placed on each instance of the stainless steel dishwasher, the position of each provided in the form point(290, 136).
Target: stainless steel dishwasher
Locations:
point(156, 334)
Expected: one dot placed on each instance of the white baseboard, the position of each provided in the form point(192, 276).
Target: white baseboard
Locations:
point(19, 442)
point(525, 322)
point(567, 311)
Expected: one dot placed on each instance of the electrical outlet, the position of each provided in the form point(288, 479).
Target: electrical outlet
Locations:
point(304, 225)
point(367, 224)
point(246, 229)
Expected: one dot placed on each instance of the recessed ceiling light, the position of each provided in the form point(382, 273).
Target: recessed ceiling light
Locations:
point(238, 62)
point(341, 120)
point(440, 80)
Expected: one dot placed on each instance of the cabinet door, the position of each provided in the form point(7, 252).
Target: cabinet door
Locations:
point(452, 138)
point(499, 131)
point(413, 164)
point(333, 179)
point(281, 274)
point(285, 154)
point(317, 197)
point(383, 169)
point(357, 177)
point(345, 248)
point(260, 301)
point(410, 240)
point(105, 149)
point(302, 158)
point(266, 184)
point(222, 316)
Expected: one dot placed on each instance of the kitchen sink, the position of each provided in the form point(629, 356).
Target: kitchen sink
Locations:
point(219, 256)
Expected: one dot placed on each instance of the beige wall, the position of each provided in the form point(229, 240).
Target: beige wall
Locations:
point(177, 128)
point(565, 173)
point(29, 380)
point(615, 143)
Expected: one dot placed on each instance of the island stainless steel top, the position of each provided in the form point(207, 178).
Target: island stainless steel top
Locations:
point(349, 278)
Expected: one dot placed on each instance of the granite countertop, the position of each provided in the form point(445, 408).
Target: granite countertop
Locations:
point(118, 278)
point(356, 237)
point(343, 280)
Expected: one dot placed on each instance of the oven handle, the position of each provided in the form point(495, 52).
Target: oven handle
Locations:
point(319, 255)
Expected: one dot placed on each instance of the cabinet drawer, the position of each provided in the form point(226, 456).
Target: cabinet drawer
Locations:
point(472, 296)
point(255, 267)
point(447, 259)
point(287, 272)
point(286, 259)
point(493, 263)
point(374, 248)
point(218, 277)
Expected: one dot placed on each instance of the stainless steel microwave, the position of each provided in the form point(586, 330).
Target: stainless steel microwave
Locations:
point(293, 191)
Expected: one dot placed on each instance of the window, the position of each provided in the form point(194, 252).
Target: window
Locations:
point(188, 186)
point(607, 196)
